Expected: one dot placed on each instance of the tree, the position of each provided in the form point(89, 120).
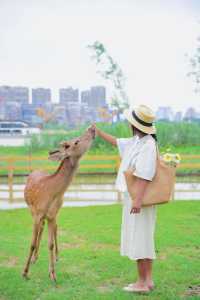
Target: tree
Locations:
point(110, 70)
point(195, 66)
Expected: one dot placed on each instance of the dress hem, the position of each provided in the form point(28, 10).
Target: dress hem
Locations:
point(139, 257)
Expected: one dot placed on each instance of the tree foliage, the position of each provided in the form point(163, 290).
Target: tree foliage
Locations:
point(195, 66)
point(109, 69)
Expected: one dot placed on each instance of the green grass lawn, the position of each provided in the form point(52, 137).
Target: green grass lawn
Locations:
point(90, 266)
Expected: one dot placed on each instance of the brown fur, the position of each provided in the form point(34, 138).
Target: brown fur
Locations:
point(44, 195)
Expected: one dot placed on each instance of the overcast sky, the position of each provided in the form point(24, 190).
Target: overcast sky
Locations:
point(43, 43)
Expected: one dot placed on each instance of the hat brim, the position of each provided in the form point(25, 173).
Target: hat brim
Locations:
point(146, 129)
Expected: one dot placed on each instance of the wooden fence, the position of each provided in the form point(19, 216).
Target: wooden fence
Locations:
point(95, 164)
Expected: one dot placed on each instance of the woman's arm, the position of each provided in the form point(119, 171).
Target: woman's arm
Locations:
point(107, 137)
point(141, 187)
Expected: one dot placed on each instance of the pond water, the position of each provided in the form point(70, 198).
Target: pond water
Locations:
point(13, 141)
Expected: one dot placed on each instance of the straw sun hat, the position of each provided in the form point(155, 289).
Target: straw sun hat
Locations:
point(142, 117)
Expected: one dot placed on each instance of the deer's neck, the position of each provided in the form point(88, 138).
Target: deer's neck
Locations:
point(61, 179)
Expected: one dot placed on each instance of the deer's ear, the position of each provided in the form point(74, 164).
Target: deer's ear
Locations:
point(55, 155)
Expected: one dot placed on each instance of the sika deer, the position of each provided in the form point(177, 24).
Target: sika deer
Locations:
point(44, 195)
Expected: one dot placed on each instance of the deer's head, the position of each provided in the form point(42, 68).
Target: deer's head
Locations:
point(74, 148)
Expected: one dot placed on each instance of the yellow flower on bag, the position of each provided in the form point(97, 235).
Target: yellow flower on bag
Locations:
point(167, 157)
point(178, 157)
point(172, 159)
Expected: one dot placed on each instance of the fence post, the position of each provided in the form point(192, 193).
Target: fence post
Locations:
point(10, 179)
point(119, 196)
point(118, 160)
point(30, 162)
point(30, 157)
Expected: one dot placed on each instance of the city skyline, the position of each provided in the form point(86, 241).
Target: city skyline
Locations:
point(32, 93)
point(49, 47)
point(81, 94)
point(95, 97)
point(15, 104)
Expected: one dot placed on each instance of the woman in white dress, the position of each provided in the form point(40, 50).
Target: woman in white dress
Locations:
point(138, 223)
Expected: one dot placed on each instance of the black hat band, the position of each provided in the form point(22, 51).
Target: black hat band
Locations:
point(141, 121)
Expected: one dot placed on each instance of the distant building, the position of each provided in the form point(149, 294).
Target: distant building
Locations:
point(60, 115)
point(29, 113)
point(14, 94)
point(164, 113)
point(87, 114)
point(5, 94)
point(2, 113)
point(98, 96)
point(20, 94)
point(2, 110)
point(67, 95)
point(41, 97)
point(15, 105)
point(86, 96)
point(178, 116)
point(12, 111)
point(95, 97)
point(190, 114)
point(73, 114)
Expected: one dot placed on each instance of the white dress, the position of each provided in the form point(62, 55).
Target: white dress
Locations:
point(137, 230)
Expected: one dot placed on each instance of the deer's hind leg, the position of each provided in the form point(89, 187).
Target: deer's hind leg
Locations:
point(36, 227)
point(51, 241)
point(35, 253)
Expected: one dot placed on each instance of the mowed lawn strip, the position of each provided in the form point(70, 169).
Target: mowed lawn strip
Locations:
point(90, 266)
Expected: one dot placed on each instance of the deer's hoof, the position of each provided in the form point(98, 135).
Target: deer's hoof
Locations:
point(25, 275)
point(34, 259)
point(52, 276)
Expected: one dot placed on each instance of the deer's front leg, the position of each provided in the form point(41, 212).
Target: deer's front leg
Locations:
point(51, 233)
point(56, 240)
point(36, 227)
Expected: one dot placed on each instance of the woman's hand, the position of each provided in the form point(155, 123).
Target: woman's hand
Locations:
point(136, 207)
point(141, 188)
point(107, 137)
point(97, 130)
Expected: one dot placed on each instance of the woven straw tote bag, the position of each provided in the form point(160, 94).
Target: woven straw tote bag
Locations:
point(159, 190)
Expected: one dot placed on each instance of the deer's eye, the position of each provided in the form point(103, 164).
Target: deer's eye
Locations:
point(76, 143)
point(67, 146)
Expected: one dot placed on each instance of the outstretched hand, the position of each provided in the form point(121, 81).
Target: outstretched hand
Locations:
point(107, 137)
point(96, 129)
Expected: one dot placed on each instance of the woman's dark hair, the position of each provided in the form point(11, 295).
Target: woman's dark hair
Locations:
point(155, 137)
point(133, 128)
